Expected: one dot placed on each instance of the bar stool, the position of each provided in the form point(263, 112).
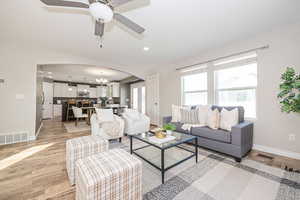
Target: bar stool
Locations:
point(70, 104)
point(85, 103)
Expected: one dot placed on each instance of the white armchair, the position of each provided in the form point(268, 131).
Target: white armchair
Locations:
point(108, 130)
point(135, 122)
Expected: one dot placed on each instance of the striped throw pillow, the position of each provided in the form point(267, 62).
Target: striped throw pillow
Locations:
point(189, 116)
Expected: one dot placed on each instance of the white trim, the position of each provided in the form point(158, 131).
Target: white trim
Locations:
point(280, 152)
point(32, 138)
point(38, 131)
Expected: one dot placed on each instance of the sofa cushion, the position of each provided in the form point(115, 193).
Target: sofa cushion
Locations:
point(219, 134)
point(240, 109)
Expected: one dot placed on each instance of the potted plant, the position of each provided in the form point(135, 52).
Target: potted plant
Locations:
point(169, 128)
point(290, 91)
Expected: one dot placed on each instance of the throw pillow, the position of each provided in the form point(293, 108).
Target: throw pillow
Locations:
point(189, 116)
point(213, 118)
point(105, 115)
point(229, 118)
point(176, 116)
point(202, 113)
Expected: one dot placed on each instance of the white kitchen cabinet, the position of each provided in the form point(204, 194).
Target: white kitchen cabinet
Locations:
point(93, 92)
point(83, 88)
point(72, 91)
point(56, 90)
point(101, 91)
point(57, 110)
point(114, 89)
point(64, 90)
point(60, 90)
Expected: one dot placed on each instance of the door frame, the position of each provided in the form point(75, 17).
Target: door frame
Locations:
point(138, 85)
point(156, 120)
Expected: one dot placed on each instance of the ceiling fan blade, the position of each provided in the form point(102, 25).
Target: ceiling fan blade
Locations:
point(116, 3)
point(99, 28)
point(65, 3)
point(128, 23)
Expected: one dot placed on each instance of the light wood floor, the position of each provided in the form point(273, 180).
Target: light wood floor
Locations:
point(36, 170)
point(41, 175)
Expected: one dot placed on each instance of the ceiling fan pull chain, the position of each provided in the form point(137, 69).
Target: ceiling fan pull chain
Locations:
point(101, 42)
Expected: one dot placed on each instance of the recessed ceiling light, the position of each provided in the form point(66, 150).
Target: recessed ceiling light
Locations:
point(146, 48)
point(49, 72)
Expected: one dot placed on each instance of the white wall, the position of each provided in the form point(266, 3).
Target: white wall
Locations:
point(272, 127)
point(18, 67)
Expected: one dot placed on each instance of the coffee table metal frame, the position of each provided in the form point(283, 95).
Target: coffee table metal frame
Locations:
point(163, 169)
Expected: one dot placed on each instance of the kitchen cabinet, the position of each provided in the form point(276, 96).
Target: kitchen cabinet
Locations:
point(93, 92)
point(83, 88)
point(72, 91)
point(60, 90)
point(64, 90)
point(101, 91)
point(113, 89)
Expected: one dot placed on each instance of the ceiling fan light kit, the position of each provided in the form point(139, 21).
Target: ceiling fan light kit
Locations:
point(102, 11)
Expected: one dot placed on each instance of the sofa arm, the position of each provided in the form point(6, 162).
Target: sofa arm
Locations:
point(167, 119)
point(242, 134)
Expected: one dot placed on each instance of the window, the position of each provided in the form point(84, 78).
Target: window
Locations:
point(194, 89)
point(226, 82)
point(236, 86)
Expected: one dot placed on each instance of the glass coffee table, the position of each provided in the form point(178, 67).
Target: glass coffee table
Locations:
point(181, 138)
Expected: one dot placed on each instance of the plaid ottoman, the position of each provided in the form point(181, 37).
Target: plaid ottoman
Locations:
point(82, 147)
point(111, 175)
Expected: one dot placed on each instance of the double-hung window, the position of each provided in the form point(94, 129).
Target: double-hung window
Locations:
point(194, 89)
point(236, 86)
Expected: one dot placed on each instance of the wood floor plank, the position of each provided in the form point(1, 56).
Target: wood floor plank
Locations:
point(43, 175)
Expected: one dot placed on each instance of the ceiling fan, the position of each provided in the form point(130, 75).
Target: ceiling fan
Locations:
point(102, 11)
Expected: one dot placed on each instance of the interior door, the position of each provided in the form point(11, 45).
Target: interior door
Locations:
point(152, 98)
point(47, 100)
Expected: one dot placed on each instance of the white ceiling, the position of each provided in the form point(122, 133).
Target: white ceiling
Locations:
point(175, 30)
point(81, 73)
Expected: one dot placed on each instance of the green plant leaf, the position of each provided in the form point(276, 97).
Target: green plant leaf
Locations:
point(283, 93)
point(290, 91)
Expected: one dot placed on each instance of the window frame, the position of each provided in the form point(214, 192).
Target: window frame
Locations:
point(183, 92)
point(212, 91)
point(235, 65)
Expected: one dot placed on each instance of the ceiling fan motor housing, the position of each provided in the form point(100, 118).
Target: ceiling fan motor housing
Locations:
point(101, 12)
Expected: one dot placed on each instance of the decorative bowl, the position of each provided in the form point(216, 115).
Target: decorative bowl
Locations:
point(160, 135)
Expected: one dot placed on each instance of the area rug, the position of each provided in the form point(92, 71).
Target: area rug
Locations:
point(214, 177)
point(81, 126)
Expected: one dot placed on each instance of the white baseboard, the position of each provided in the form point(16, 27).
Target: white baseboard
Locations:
point(280, 152)
point(31, 138)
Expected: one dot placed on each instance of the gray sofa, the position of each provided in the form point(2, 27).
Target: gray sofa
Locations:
point(236, 143)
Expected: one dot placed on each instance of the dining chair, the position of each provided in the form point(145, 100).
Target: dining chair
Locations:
point(79, 115)
point(70, 104)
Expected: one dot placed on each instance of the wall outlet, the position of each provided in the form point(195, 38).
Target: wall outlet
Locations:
point(292, 137)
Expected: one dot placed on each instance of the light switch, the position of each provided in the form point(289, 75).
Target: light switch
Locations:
point(20, 96)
